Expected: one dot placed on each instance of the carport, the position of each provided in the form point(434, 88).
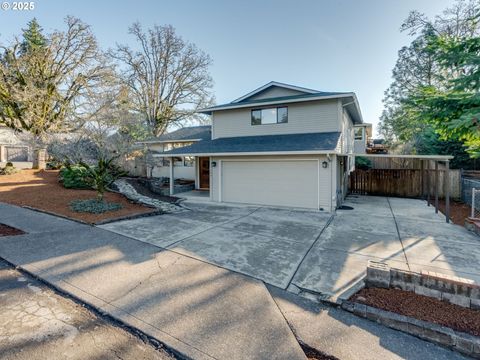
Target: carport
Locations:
point(362, 184)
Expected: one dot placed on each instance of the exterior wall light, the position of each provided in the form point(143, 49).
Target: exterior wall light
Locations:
point(214, 163)
point(324, 164)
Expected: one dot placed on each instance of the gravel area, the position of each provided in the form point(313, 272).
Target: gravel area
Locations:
point(38, 323)
point(129, 191)
point(41, 190)
point(6, 230)
point(422, 308)
point(144, 190)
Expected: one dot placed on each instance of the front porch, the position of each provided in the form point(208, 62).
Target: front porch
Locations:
point(202, 179)
point(195, 195)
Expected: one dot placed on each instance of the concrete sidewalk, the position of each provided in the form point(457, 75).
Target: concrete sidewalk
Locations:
point(199, 310)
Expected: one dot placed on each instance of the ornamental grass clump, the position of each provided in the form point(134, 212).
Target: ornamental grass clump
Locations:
point(98, 177)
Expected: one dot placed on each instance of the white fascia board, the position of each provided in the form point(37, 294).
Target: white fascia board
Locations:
point(259, 104)
point(274, 83)
point(319, 152)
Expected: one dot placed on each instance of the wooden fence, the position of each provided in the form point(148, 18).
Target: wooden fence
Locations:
point(403, 182)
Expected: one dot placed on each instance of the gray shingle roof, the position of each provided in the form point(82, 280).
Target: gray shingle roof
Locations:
point(203, 132)
point(267, 143)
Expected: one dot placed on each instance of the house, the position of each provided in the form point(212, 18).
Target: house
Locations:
point(279, 145)
point(185, 166)
point(14, 146)
point(362, 137)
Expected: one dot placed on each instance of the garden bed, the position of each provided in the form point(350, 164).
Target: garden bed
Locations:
point(6, 230)
point(422, 308)
point(41, 190)
point(141, 185)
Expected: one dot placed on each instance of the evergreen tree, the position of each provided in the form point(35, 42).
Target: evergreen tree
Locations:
point(33, 37)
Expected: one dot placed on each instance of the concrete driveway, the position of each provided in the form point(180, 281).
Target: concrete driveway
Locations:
point(318, 254)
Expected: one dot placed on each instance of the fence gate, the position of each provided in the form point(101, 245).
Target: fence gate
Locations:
point(16, 153)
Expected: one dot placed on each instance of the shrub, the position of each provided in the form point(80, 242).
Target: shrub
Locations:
point(363, 163)
point(74, 177)
point(102, 175)
point(94, 206)
point(8, 169)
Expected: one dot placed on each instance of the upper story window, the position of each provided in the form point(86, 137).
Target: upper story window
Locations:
point(359, 133)
point(270, 116)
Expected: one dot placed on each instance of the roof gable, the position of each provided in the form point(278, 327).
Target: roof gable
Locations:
point(274, 90)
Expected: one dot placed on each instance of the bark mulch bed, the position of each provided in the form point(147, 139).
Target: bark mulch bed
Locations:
point(459, 211)
point(41, 190)
point(6, 230)
point(313, 354)
point(422, 308)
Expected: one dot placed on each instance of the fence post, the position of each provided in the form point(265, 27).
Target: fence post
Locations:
point(473, 203)
point(447, 191)
point(436, 187)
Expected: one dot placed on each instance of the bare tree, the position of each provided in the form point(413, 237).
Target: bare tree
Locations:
point(43, 90)
point(168, 77)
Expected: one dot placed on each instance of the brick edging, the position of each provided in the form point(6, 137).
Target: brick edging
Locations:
point(457, 341)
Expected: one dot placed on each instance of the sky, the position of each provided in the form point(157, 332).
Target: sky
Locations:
point(335, 45)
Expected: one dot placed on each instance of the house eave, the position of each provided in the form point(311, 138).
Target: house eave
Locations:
point(208, 111)
point(274, 83)
point(257, 153)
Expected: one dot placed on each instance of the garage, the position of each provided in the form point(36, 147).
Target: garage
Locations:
point(293, 183)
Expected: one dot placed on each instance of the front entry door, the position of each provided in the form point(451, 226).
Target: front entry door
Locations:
point(204, 172)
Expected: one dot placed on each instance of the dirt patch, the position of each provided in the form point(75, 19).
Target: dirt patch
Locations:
point(41, 190)
point(313, 354)
point(422, 308)
point(459, 211)
point(6, 230)
point(142, 189)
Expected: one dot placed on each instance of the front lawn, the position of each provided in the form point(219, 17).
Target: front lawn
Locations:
point(41, 190)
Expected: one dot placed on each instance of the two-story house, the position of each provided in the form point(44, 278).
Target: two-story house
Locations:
point(279, 145)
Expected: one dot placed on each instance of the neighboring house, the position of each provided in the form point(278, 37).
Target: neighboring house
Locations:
point(13, 147)
point(185, 166)
point(279, 145)
point(362, 137)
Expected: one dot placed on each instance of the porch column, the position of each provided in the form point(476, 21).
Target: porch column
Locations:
point(447, 191)
point(428, 182)
point(422, 172)
point(172, 180)
point(436, 187)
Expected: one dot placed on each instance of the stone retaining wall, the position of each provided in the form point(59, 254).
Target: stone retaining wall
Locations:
point(455, 340)
point(453, 289)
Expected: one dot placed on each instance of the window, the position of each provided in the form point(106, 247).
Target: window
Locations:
point(270, 116)
point(189, 161)
point(359, 133)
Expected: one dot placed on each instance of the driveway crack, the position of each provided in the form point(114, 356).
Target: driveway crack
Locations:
point(398, 233)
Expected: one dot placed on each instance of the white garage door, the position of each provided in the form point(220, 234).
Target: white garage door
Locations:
point(277, 183)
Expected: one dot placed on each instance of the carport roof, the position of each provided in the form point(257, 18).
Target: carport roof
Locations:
point(266, 144)
point(400, 156)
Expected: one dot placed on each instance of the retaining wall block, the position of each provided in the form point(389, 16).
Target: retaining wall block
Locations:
point(475, 304)
point(463, 343)
point(422, 290)
point(459, 300)
point(360, 309)
point(378, 274)
point(439, 334)
point(405, 280)
point(395, 321)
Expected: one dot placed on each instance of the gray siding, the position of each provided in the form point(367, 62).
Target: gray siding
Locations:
point(345, 145)
point(274, 92)
point(306, 117)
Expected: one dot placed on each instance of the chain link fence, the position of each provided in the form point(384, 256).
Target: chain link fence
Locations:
point(471, 195)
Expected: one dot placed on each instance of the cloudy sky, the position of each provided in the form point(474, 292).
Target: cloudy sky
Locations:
point(325, 45)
